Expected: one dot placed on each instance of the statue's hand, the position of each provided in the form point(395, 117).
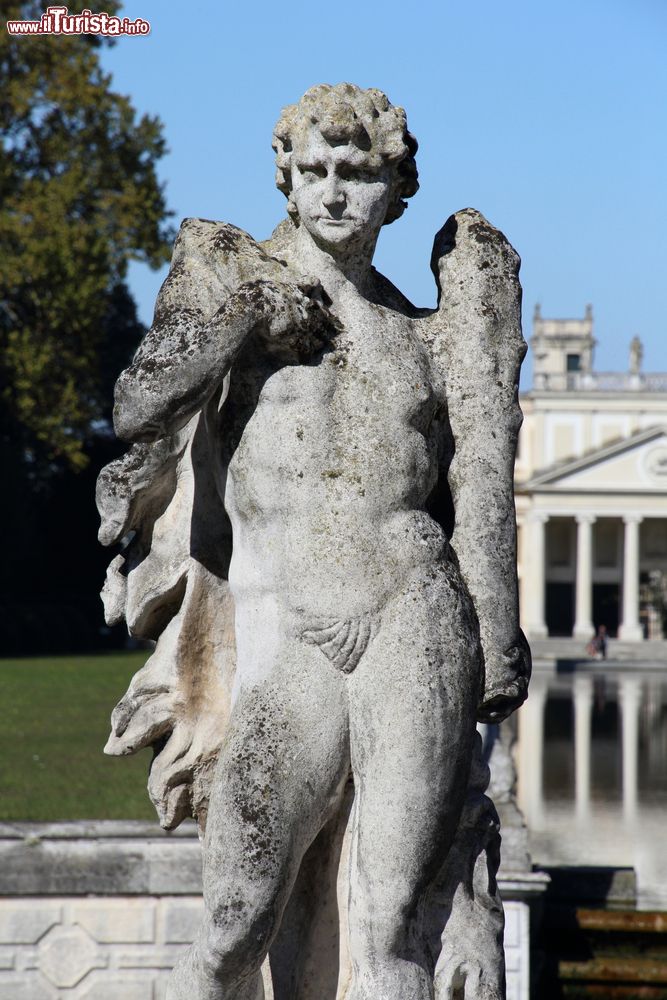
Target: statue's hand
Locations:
point(297, 322)
point(182, 769)
point(507, 676)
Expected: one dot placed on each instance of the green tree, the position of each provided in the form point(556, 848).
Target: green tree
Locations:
point(79, 199)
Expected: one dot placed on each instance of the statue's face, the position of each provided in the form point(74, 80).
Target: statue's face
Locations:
point(340, 195)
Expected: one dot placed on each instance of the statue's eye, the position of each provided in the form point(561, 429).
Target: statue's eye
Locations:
point(363, 174)
point(311, 171)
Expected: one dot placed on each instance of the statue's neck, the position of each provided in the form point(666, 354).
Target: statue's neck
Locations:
point(335, 271)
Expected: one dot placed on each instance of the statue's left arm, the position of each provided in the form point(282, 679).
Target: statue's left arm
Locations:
point(476, 339)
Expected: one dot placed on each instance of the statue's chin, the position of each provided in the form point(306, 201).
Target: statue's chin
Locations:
point(343, 243)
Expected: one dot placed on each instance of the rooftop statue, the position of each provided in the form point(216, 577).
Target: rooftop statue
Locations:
point(317, 520)
point(636, 356)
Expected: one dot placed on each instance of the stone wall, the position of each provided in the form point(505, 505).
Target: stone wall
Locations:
point(101, 911)
point(100, 948)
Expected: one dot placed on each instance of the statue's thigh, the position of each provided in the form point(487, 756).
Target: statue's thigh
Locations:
point(283, 763)
point(413, 701)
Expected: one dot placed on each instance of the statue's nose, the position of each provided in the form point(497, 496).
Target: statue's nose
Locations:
point(333, 196)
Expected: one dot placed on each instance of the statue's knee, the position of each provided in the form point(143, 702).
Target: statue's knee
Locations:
point(385, 933)
point(230, 949)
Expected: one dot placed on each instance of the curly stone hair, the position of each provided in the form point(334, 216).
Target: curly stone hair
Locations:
point(364, 117)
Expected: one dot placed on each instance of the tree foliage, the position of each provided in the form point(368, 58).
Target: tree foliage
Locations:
point(79, 199)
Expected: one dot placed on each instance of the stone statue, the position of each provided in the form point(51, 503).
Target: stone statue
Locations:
point(636, 356)
point(317, 521)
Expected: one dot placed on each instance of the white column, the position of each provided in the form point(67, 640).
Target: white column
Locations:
point(629, 696)
point(534, 552)
point(583, 705)
point(583, 621)
point(630, 629)
point(530, 752)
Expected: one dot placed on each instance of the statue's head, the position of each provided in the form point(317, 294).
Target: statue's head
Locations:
point(348, 149)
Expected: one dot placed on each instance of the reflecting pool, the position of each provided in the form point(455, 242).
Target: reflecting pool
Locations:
point(592, 769)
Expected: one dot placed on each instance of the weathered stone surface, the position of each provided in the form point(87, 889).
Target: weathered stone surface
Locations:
point(182, 921)
point(319, 531)
point(69, 860)
point(498, 743)
point(66, 955)
point(517, 917)
point(116, 986)
point(19, 989)
point(23, 922)
point(88, 952)
point(146, 966)
point(116, 921)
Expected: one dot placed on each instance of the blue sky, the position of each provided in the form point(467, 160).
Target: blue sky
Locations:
point(550, 118)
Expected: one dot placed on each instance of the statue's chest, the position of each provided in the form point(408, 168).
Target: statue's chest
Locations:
point(373, 373)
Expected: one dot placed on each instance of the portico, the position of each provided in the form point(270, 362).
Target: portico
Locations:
point(582, 569)
point(592, 531)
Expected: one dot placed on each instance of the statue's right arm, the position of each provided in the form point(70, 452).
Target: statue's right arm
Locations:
point(180, 363)
point(206, 309)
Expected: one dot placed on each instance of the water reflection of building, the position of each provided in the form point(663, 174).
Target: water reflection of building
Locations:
point(592, 768)
point(591, 480)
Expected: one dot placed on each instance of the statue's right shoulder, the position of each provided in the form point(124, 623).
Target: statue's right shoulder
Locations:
point(205, 237)
point(209, 262)
point(231, 254)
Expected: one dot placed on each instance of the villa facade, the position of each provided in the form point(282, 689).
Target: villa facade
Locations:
point(591, 490)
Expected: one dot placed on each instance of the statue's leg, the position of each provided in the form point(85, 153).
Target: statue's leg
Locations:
point(281, 774)
point(306, 953)
point(413, 701)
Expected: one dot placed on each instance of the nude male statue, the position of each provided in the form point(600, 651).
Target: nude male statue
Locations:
point(343, 431)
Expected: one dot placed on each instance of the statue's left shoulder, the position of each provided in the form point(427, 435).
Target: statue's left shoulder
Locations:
point(478, 315)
